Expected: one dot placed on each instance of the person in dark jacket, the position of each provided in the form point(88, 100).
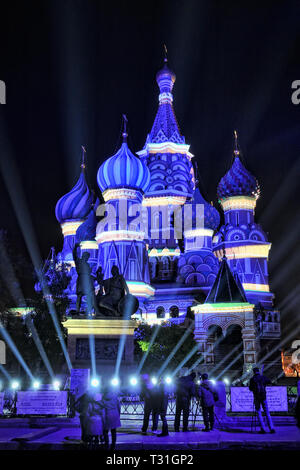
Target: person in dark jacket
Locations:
point(90, 416)
point(147, 395)
point(207, 400)
point(111, 406)
point(185, 390)
point(257, 386)
point(160, 405)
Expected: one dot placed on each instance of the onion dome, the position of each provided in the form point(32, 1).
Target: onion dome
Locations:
point(211, 215)
point(165, 78)
point(87, 230)
point(123, 170)
point(238, 181)
point(76, 204)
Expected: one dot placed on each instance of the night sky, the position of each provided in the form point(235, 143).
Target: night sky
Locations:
point(72, 68)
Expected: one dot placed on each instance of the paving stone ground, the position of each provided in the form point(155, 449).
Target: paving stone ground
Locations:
point(65, 435)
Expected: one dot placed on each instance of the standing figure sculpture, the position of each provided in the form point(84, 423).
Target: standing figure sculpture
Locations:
point(115, 290)
point(85, 281)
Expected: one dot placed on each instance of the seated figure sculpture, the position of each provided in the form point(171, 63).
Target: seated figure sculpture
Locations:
point(117, 297)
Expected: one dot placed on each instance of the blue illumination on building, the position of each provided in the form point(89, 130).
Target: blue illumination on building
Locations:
point(168, 273)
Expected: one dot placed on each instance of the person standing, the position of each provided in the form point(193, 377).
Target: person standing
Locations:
point(81, 406)
point(147, 395)
point(185, 390)
point(111, 405)
point(257, 386)
point(160, 405)
point(207, 398)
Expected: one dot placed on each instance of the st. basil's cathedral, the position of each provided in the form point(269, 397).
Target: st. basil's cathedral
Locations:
point(216, 275)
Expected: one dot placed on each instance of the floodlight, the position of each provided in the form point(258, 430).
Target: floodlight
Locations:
point(36, 384)
point(133, 381)
point(56, 384)
point(115, 382)
point(15, 385)
point(95, 382)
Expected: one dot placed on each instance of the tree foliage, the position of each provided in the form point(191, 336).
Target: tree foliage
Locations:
point(167, 338)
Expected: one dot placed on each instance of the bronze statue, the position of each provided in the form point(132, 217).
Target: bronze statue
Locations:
point(117, 297)
point(85, 281)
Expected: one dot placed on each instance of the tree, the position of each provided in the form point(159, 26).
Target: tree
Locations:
point(55, 278)
point(167, 338)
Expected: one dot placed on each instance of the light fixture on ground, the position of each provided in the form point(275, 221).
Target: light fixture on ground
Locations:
point(15, 385)
point(168, 380)
point(36, 384)
point(115, 381)
point(56, 384)
point(154, 380)
point(133, 381)
point(95, 382)
point(226, 381)
point(213, 381)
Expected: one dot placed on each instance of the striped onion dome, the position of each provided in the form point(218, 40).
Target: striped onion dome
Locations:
point(76, 204)
point(123, 170)
point(238, 182)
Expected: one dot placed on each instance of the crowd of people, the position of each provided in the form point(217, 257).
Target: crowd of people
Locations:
point(100, 414)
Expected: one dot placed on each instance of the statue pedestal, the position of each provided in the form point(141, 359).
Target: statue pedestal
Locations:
point(105, 333)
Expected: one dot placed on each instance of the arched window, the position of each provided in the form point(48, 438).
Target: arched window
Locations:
point(160, 312)
point(174, 311)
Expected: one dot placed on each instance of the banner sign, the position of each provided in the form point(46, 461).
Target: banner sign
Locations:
point(79, 383)
point(1, 402)
point(42, 403)
point(242, 399)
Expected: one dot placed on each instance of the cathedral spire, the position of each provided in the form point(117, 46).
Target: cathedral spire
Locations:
point(83, 157)
point(124, 134)
point(236, 144)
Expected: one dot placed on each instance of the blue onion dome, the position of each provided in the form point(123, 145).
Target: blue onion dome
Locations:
point(238, 181)
point(211, 214)
point(76, 204)
point(87, 230)
point(123, 170)
point(165, 78)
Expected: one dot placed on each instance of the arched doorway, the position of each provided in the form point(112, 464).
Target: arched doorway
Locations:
point(230, 353)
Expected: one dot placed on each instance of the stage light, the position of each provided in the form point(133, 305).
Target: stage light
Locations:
point(15, 385)
point(226, 381)
point(36, 384)
point(115, 382)
point(168, 380)
point(56, 384)
point(154, 380)
point(95, 382)
point(213, 381)
point(133, 381)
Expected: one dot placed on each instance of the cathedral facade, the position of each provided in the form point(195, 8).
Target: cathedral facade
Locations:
point(216, 273)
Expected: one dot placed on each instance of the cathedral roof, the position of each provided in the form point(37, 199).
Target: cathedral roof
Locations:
point(211, 215)
point(225, 287)
point(123, 169)
point(76, 204)
point(238, 181)
point(165, 127)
